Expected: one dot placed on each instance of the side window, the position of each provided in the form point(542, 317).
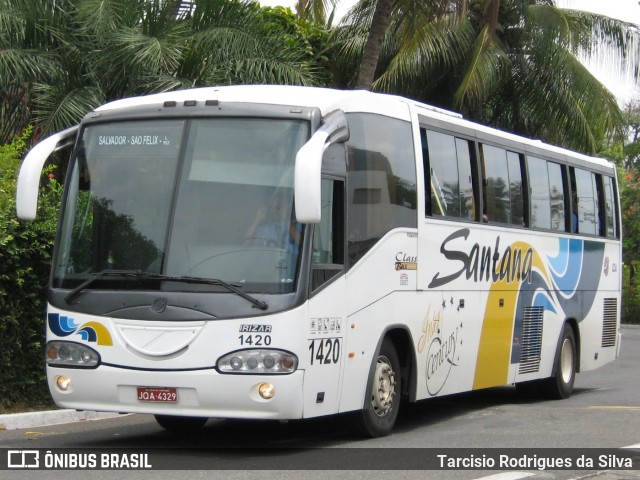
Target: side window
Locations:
point(540, 196)
point(464, 150)
point(502, 179)
point(516, 194)
point(448, 175)
point(328, 235)
point(547, 194)
point(556, 190)
point(584, 201)
point(610, 206)
point(381, 180)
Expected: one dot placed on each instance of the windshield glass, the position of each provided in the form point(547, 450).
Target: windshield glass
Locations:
point(209, 198)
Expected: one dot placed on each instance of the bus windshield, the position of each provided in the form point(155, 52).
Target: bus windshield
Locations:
point(206, 198)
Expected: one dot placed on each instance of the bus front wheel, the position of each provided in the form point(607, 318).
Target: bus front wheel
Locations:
point(382, 399)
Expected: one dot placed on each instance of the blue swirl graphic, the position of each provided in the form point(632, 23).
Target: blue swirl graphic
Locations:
point(62, 325)
point(88, 334)
point(567, 265)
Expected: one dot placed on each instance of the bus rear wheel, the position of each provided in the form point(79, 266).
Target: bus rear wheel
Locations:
point(382, 400)
point(560, 384)
point(176, 423)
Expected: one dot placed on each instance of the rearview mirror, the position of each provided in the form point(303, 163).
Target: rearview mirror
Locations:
point(308, 166)
point(31, 170)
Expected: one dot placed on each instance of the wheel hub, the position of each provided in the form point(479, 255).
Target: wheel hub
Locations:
point(384, 385)
point(566, 361)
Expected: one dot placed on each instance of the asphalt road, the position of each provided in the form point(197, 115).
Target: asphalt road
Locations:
point(603, 413)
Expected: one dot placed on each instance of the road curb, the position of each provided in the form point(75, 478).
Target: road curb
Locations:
point(16, 421)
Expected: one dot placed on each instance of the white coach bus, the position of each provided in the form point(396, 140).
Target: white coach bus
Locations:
point(277, 252)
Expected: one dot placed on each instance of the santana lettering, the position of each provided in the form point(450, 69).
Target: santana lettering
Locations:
point(482, 263)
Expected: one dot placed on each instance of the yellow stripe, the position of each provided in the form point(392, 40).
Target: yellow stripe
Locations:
point(496, 339)
point(494, 353)
point(104, 337)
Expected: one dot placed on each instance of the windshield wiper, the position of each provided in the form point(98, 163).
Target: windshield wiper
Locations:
point(167, 278)
point(97, 276)
point(232, 287)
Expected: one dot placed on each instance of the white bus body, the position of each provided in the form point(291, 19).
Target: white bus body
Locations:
point(425, 255)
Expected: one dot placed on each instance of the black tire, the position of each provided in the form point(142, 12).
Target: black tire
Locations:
point(382, 399)
point(560, 384)
point(175, 423)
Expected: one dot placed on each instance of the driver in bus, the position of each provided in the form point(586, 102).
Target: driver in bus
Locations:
point(274, 227)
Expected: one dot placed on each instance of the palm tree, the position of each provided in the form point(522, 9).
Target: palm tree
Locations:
point(59, 60)
point(29, 35)
point(318, 11)
point(512, 63)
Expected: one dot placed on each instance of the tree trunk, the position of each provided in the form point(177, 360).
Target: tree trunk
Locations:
point(373, 47)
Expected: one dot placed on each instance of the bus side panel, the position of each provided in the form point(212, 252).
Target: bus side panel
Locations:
point(599, 332)
point(447, 341)
point(325, 349)
point(381, 295)
point(528, 289)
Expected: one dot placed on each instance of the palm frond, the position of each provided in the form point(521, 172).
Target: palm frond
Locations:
point(59, 106)
point(482, 72)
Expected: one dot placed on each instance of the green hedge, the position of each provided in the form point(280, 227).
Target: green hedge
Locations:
point(630, 297)
point(25, 258)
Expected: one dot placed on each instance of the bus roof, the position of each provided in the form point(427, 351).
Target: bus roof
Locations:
point(328, 100)
point(325, 99)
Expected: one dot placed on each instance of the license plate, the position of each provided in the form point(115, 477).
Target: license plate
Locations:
point(158, 394)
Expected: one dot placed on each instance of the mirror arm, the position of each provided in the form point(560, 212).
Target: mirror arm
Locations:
point(31, 170)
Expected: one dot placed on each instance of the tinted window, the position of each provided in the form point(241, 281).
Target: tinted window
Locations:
point(328, 236)
point(381, 180)
point(448, 175)
point(540, 196)
point(515, 189)
point(585, 200)
point(503, 186)
point(547, 194)
point(610, 206)
point(465, 174)
point(556, 190)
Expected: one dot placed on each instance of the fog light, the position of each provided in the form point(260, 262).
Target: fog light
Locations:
point(63, 382)
point(266, 391)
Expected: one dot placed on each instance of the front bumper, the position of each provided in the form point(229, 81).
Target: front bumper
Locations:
point(200, 393)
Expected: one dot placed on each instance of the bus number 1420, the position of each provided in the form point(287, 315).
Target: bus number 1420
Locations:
point(325, 351)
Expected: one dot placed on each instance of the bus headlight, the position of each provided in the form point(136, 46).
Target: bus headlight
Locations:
point(258, 361)
point(70, 354)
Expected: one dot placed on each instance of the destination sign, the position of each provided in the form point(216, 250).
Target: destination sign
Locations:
point(133, 140)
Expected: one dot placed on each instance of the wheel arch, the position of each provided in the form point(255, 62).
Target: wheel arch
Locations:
point(403, 342)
